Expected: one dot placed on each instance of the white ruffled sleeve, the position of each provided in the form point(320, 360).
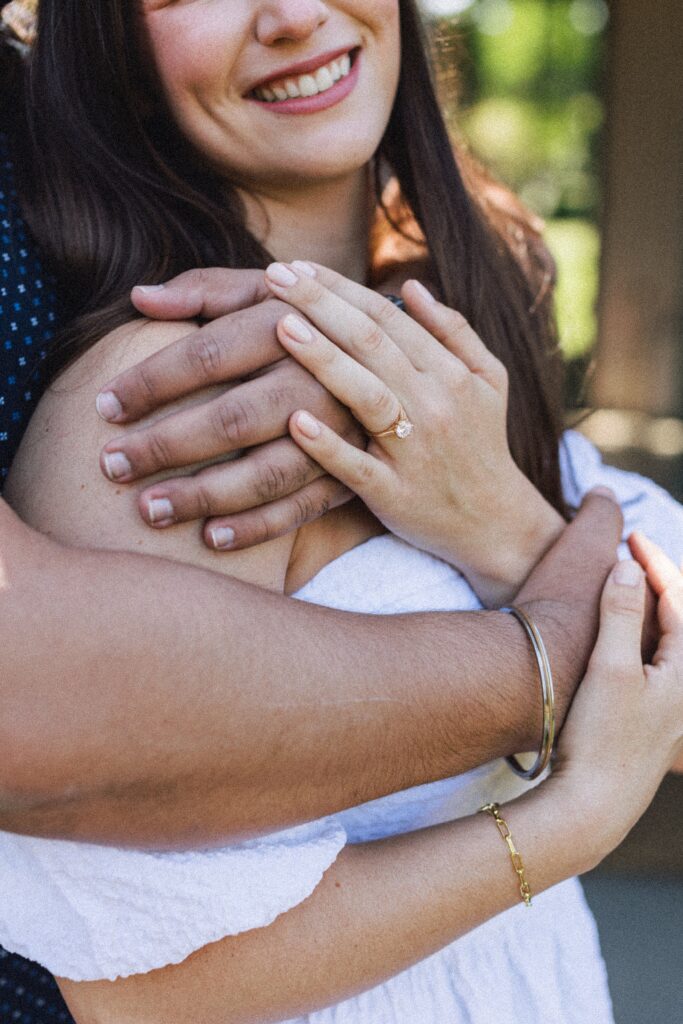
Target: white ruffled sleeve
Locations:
point(89, 912)
point(646, 506)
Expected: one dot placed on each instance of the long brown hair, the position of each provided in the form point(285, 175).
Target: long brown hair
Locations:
point(115, 196)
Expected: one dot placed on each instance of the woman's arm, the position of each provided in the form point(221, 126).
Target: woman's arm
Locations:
point(92, 757)
point(383, 906)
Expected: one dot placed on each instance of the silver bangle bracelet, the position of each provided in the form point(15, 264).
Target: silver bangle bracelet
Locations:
point(548, 692)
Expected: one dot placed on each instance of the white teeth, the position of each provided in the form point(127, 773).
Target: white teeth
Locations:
point(306, 85)
point(324, 79)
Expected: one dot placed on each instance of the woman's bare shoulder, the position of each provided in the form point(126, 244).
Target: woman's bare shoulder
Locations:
point(57, 486)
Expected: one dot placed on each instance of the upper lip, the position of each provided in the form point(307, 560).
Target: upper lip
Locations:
point(302, 68)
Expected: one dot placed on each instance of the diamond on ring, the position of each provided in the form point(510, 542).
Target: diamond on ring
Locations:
point(400, 428)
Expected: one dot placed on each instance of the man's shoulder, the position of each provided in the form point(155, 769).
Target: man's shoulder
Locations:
point(28, 312)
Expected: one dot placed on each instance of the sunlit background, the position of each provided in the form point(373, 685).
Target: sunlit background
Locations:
point(577, 105)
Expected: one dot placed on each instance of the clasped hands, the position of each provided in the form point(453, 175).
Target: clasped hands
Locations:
point(321, 364)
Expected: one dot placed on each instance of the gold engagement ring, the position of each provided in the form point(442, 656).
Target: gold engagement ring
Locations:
point(400, 428)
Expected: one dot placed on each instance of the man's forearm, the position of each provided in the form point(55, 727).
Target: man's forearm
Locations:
point(150, 703)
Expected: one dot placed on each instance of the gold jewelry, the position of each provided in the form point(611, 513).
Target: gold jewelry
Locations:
point(20, 18)
point(400, 428)
point(516, 857)
point(548, 692)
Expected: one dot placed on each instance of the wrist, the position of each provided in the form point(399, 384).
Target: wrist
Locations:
point(523, 530)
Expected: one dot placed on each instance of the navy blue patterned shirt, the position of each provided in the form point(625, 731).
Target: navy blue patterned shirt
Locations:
point(28, 311)
point(28, 315)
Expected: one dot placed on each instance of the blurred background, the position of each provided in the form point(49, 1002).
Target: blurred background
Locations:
point(578, 105)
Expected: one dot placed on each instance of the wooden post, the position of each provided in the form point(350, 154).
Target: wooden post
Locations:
point(640, 353)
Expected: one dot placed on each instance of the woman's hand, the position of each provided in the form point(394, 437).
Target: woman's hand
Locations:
point(625, 728)
point(451, 487)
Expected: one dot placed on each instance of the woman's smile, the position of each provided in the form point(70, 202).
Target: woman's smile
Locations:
point(306, 90)
point(243, 61)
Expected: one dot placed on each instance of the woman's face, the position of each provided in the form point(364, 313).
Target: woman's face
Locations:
point(278, 92)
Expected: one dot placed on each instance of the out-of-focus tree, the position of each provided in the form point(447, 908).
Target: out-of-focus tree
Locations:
point(530, 106)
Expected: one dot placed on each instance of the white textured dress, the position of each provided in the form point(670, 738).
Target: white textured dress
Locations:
point(88, 912)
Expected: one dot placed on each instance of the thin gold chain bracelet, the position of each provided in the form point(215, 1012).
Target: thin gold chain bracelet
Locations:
point(515, 856)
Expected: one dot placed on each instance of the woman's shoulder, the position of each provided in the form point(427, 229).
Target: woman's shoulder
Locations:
point(56, 483)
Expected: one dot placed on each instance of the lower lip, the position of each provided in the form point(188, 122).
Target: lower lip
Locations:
point(312, 104)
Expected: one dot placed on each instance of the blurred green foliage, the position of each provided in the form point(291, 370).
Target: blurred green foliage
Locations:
point(531, 108)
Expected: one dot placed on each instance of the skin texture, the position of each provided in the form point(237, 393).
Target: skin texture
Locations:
point(50, 485)
point(564, 827)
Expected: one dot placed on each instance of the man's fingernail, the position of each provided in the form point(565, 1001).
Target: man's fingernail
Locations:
point(108, 406)
point(222, 537)
point(306, 268)
point(297, 329)
point(604, 492)
point(278, 273)
point(160, 510)
point(150, 287)
point(117, 466)
point(308, 425)
point(628, 573)
point(424, 292)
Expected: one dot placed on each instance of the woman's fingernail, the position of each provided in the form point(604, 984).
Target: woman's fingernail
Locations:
point(297, 329)
point(160, 510)
point(604, 492)
point(308, 425)
point(306, 268)
point(424, 292)
point(108, 406)
point(117, 466)
point(278, 273)
point(150, 287)
point(222, 537)
point(628, 573)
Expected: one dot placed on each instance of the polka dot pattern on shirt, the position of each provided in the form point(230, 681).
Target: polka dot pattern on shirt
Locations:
point(28, 312)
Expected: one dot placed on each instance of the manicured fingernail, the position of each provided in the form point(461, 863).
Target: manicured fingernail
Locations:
point(222, 537)
point(308, 425)
point(604, 492)
point(278, 273)
point(150, 287)
point(305, 268)
point(424, 292)
point(297, 329)
point(108, 406)
point(160, 510)
point(117, 466)
point(628, 573)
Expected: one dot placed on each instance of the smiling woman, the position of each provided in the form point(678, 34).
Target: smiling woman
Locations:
point(171, 143)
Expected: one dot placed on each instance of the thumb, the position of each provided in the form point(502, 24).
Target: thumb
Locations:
point(622, 609)
point(207, 293)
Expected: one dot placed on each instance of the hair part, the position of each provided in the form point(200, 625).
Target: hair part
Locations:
point(115, 198)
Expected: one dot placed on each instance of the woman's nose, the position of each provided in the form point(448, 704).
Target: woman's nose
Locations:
point(281, 20)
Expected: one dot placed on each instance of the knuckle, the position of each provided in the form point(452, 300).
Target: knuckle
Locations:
point(308, 509)
point(231, 423)
point(146, 384)
point(271, 482)
point(382, 403)
point(159, 451)
point(370, 339)
point(382, 311)
point(203, 500)
point(456, 321)
point(204, 356)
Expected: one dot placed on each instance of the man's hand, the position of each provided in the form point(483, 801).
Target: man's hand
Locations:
point(275, 487)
